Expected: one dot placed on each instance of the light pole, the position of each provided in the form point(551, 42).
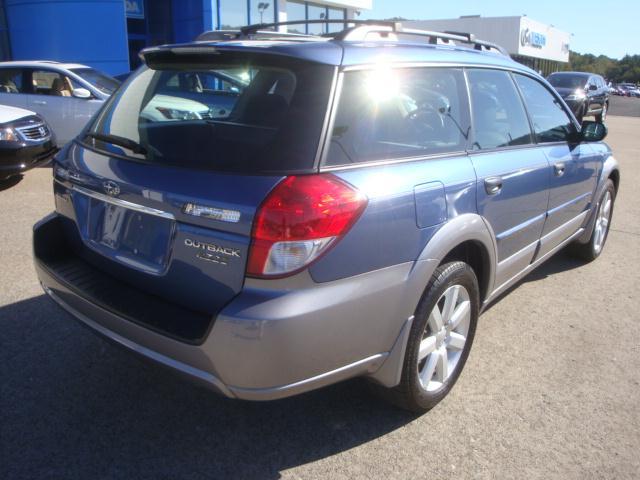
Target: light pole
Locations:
point(262, 6)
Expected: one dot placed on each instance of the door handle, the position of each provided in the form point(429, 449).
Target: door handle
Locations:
point(39, 102)
point(558, 169)
point(493, 185)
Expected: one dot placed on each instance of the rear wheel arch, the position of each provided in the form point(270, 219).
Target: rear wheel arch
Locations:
point(615, 178)
point(467, 238)
point(476, 255)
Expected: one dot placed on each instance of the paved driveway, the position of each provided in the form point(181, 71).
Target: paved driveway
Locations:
point(551, 389)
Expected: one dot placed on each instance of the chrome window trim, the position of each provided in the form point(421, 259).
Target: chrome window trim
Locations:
point(327, 124)
point(121, 203)
point(393, 161)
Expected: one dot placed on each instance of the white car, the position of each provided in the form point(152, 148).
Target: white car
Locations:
point(164, 108)
point(25, 141)
point(66, 95)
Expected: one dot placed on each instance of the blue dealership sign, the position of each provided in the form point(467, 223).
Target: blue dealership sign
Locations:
point(134, 8)
point(532, 39)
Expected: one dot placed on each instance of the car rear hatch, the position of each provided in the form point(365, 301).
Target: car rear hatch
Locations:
point(162, 188)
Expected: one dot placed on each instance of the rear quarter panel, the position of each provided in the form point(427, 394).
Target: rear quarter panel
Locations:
point(405, 209)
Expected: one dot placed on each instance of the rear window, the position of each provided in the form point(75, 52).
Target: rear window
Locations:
point(387, 113)
point(230, 113)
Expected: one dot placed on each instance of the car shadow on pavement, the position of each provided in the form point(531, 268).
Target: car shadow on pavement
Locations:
point(73, 406)
point(7, 183)
point(560, 262)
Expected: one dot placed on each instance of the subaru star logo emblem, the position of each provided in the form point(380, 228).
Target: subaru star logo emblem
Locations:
point(111, 188)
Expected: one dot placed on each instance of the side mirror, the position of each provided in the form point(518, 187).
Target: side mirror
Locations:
point(593, 87)
point(81, 93)
point(593, 131)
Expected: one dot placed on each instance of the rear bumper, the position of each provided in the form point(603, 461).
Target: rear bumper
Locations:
point(276, 338)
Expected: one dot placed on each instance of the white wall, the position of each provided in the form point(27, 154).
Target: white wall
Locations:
point(508, 33)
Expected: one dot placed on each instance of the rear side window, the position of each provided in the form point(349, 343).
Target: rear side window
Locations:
point(11, 80)
point(551, 123)
point(391, 113)
point(499, 118)
point(227, 112)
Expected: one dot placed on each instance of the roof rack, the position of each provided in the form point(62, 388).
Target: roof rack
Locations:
point(222, 35)
point(360, 30)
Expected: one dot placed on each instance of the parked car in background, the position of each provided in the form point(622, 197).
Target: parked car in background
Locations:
point(272, 215)
point(65, 95)
point(585, 93)
point(634, 92)
point(25, 141)
point(626, 89)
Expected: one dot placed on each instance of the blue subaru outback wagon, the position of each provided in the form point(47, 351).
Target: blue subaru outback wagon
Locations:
point(269, 213)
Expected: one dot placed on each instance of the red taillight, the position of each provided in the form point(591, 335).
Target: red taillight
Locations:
point(299, 220)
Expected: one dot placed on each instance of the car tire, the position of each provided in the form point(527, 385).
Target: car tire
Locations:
point(604, 212)
point(440, 339)
point(602, 116)
point(581, 114)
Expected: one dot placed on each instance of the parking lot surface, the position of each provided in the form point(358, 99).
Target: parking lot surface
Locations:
point(624, 106)
point(551, 388)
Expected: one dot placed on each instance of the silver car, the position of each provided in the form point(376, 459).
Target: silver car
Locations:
point(65, 95)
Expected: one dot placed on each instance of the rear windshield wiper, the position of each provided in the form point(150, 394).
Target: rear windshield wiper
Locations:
point(132, 145)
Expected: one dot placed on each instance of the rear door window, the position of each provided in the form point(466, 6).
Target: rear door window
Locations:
point(230, 113)
point(387, 113)
point(11, 80)
point(499, 117)
point(551, 123)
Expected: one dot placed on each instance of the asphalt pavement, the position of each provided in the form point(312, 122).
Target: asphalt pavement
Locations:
point(551, 389)
point(624, 106)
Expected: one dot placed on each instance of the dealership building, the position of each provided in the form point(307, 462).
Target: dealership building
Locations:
point(108, 34)
point(541, 47)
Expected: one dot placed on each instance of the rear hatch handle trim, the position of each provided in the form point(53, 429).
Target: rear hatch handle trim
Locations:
point(122, 203)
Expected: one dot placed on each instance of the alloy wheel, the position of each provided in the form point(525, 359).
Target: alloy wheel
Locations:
point(444, 337)
point(602, 222)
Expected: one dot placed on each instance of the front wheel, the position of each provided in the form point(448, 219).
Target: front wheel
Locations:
point(440, 338)
point(593, 248)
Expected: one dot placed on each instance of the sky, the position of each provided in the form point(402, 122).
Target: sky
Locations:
point(601, 28)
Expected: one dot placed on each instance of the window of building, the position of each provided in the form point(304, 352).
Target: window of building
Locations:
point(499, 118)
point(336, 14)
point(395, 113)
point(5, 48)
point(317, 12)
point(233, 14)
point(550, 121)
point(296, 11)
point(261, 11)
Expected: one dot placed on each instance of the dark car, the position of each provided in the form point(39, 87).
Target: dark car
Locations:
point(25, 141)
point(585, 93)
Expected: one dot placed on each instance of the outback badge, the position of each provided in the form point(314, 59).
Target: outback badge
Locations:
point(212, 252)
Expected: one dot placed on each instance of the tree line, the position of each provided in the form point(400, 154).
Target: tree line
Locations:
point(626, 69)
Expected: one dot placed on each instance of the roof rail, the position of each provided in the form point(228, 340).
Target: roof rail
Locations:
point(249, 29)
point(222, 35)
point(358, 32)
